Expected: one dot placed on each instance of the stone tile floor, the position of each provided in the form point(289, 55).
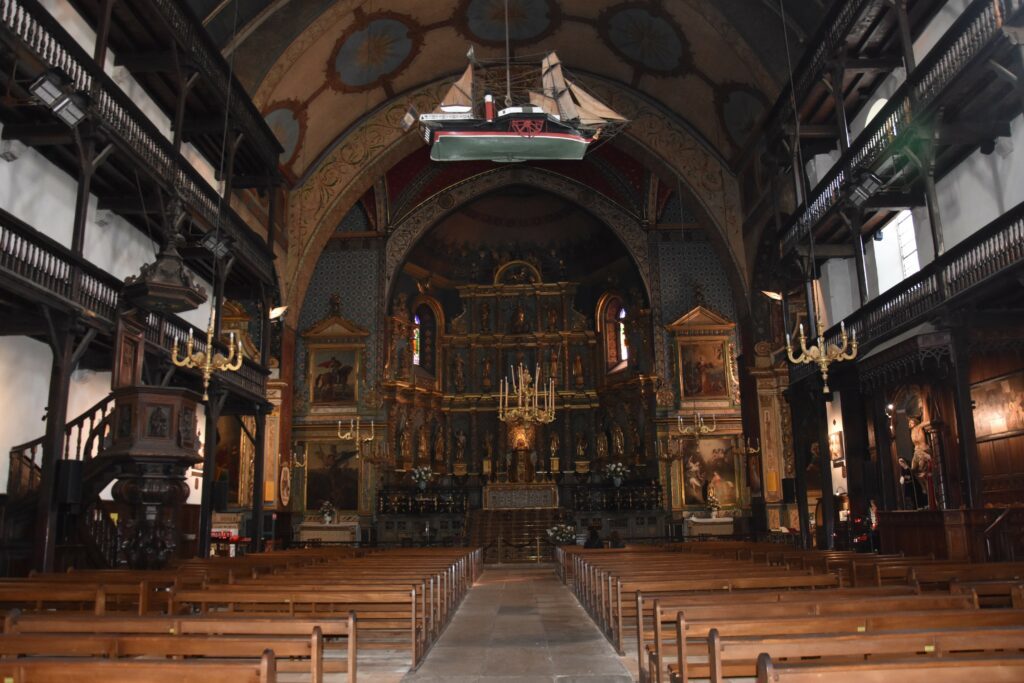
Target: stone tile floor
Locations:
point(520, 624)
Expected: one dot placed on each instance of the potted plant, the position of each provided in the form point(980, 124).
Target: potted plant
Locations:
point(421, 475)
point(562, 534)
point(327, 512)
point(615, 471)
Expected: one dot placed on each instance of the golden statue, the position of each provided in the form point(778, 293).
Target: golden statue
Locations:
point(618, 442)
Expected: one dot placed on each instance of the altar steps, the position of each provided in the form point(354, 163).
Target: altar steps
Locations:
point(514, 535)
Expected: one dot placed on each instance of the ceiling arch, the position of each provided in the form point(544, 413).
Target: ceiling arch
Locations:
point(365, 153)
point(315, 70)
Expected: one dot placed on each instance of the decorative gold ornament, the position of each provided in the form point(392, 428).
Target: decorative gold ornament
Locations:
point(531, 403)
point(208, 361)
point(822, 354)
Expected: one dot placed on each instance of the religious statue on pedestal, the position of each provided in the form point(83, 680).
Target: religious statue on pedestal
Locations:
point(552, 314)
point(921, 464)
point(553, 446)
point(519, 323)
point(424, 446)
point(577, 371)
point(439, 446)
point(485, 374)
point(459, 373)
point(485, 318)
point(553, 365)
point(581, 446)
point(618, 442)
point(460, 446)
point(406, 455)
point(602, 446)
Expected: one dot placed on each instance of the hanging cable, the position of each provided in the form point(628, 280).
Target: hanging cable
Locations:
point(508, 61)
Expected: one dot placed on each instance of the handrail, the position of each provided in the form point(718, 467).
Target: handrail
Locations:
point(31, 256)
point(43, 35)
point(961, 43)
point(990, 530)
point(42, 261)
point(207, 57)
point(987, 253)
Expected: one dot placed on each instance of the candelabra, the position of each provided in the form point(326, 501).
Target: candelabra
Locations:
point(366, 446)
point(209, 361)
point(822, 354)
point(699, 428)
point(668, 455)
point(531, 403)
point(750, 447)
point(298, 455)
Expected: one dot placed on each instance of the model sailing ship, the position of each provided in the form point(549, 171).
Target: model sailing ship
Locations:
point(555, 119)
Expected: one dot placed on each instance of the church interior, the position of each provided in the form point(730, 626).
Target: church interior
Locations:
point(530, 340)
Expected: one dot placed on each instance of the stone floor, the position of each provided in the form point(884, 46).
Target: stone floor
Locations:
point(519, 623)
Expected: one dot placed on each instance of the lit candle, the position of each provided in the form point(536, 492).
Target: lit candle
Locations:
point(801, 330)
point(788, 342)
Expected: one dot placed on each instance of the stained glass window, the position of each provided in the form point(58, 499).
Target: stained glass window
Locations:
point(416, 341)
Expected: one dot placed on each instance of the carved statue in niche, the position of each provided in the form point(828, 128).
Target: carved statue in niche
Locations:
point(634, 433)
point(424, 445)
point(489, 446)
point(459, 373)
point(581, 446)
point(554, 444)
point(618, 442)
point(921, 464)
point(460, 446)
point(553, 364)
point(552, 314)
point(485, 318)
point(602, 445)
point(406, 445)
point(577, 371)
point(485, 374)
point(519, 324)
point(439, 446)
point(520, 357)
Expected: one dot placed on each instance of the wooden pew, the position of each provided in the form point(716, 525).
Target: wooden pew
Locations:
point(737, 657)
point(952, 670)
point(61, 670)
point(227, 636)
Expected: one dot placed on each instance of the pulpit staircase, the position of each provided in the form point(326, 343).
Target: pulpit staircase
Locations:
point(88, 535)
point(514, 535)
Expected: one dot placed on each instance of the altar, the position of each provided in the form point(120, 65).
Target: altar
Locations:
point(343, 531)
point(709, 526)
point(520, 496)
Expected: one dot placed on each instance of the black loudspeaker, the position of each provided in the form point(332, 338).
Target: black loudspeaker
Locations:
point(69, 482)
point(789, 490)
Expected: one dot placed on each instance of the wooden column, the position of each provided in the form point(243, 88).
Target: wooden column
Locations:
point(970, 475)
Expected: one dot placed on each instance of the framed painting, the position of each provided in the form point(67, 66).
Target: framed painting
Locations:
point(999, 406)
point(332, 474)
point(836, 451)
point(704, 368)
point(333, 374)
point(710, 462)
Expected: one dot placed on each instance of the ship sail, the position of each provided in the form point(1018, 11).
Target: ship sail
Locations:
point(459, 97)
point(592, 111)
point(548, 105)
point(554, 86)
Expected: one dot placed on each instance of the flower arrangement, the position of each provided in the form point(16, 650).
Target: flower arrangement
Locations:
point(327, 511)
point(615, 470)
point(421, 475)
point(562, 534)
point(711, 502)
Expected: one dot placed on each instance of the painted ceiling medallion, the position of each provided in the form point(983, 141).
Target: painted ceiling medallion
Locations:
point(739, 107)
point(374, 50)
point(647, 37)
point(529, 20)
point(286, 121)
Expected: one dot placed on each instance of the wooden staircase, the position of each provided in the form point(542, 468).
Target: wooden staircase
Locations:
point(514, 535)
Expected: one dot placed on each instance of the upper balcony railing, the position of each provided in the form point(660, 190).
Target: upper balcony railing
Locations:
point(214, 69)
point(116, 113)
point(963, 42)
point(990, 252)
point(36, 261)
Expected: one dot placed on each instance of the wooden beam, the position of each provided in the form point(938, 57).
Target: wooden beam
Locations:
point(827, 251)
point(813, 130)
point(130, 204)
point(39, 134)
point(872, 65)
point(156, 61)
point(895, 200)
point(972, 133)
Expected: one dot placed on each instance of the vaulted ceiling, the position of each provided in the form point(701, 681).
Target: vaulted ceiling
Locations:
point(316, 67)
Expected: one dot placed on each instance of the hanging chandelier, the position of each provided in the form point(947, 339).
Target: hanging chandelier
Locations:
point(823, 354)
point(521, 398)
point(209, 361)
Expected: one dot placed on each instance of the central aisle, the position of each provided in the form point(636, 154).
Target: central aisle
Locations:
point(521, 624)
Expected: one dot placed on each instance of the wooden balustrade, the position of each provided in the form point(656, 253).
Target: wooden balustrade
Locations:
point(979, 24)
point(43, 36)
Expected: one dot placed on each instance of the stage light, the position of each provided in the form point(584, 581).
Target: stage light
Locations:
point(277, 312)
point(863, 187)
point(217, 244)
point(52, 89)
point(774, 296)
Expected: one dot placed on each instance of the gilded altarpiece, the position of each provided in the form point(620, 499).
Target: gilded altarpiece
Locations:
point(706, 386)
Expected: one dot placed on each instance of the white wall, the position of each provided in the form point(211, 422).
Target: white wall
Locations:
point(834, 411)
point(839, 289)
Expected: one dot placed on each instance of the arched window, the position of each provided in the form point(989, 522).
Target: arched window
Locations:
point(424, 338)
point(416, 341)
point(623, 347)
point(613, 332)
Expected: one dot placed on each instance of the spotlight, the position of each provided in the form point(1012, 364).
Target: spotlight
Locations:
point(878, 236)
point(277, 312)
point(774, 296)
point(52, 88)
point(865, 185)
point(217, 244)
